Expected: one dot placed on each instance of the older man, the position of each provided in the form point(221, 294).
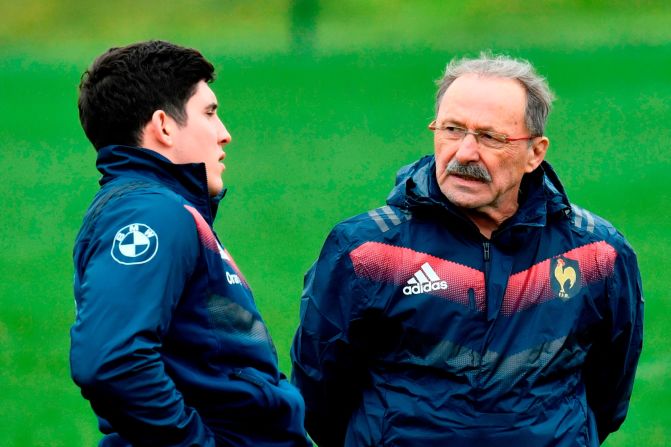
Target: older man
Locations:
point(479, 307)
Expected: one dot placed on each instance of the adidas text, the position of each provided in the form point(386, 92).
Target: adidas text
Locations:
point(424, 288)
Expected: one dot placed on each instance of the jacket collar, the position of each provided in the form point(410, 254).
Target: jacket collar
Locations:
point(188, 180)
point(541, 194)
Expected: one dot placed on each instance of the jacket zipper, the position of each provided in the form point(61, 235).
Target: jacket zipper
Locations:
point(485, 246)
point(486, 257)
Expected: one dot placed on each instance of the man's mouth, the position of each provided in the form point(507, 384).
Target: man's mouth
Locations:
point(469, 178)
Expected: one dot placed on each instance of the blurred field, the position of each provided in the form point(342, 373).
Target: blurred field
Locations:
point(321, 118)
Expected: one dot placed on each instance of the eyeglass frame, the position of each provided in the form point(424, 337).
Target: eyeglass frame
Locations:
point(477, 133)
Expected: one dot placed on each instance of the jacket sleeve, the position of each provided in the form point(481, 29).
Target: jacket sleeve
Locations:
point(612, 360)
point(123, 312)
point(326, 368)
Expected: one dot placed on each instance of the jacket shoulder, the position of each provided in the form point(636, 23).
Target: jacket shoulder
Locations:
point(592, 226)
point(126, 203)
point(375, 224)
point(117, 193)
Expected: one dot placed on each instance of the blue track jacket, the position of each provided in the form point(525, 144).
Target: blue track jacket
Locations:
point(418, 331)
point(167, 344)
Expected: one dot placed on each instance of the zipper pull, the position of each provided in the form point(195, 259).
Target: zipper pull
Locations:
point(485, 246)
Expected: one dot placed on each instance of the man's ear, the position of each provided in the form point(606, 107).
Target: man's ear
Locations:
point(159, 131)
point(537, 153)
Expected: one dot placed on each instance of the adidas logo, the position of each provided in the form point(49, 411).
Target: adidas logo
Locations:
point(423, 281)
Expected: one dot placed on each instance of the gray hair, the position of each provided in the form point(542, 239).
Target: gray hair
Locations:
point(539, 96)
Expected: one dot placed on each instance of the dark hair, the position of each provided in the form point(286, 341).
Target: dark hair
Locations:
point(124, 86)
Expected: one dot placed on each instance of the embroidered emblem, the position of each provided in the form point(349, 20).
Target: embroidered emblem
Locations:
point(134, 244)
point(565, 277)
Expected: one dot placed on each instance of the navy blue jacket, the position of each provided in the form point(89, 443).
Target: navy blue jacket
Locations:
point(416, 330)
point(168, 345)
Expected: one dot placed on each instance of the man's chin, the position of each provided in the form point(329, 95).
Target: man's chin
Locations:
point(215, 190)
point(467, 205)
point(465, 200)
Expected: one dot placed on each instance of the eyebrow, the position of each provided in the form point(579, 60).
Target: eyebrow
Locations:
point(211, 107)
point(460, 124)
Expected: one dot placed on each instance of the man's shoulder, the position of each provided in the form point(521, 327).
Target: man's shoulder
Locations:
point(374, 223)
point(594, 227)
point(379, 223)
point(130, 201)
point(136, 194)
point(140, 189)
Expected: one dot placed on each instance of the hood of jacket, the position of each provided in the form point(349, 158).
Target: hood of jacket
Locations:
point(542, 195)
point(188, 180)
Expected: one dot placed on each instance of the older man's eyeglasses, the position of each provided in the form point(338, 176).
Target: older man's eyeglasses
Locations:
point(493, 140)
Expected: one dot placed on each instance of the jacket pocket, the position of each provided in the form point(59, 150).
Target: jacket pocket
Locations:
point(251, 376)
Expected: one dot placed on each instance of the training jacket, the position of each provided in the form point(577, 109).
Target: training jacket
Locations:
point(418, 331)
point(168, 345)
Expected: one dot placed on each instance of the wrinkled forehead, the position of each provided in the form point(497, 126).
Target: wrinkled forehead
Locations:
point(484, 101)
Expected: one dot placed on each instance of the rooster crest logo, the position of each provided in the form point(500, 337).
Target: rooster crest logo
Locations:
point(565, 277)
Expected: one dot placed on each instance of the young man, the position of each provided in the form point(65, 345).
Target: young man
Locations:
point(167, 345)
point(479, 307)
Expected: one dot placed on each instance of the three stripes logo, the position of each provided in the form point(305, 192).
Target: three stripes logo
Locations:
point(423, 281)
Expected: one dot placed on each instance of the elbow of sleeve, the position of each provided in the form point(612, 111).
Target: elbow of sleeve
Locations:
point(86, 371)
point(95, 373)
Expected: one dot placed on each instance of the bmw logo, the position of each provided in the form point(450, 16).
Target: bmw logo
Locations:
point(134, 244)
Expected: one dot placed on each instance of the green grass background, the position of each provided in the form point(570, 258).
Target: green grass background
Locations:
point(318, 133)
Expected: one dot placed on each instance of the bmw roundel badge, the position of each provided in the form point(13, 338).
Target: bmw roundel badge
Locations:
point(134, 244)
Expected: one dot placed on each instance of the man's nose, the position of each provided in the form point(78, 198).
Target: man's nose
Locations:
point(468, 150)
point(224, 135)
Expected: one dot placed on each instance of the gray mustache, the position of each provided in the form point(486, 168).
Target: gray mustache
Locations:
point(473, 171)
